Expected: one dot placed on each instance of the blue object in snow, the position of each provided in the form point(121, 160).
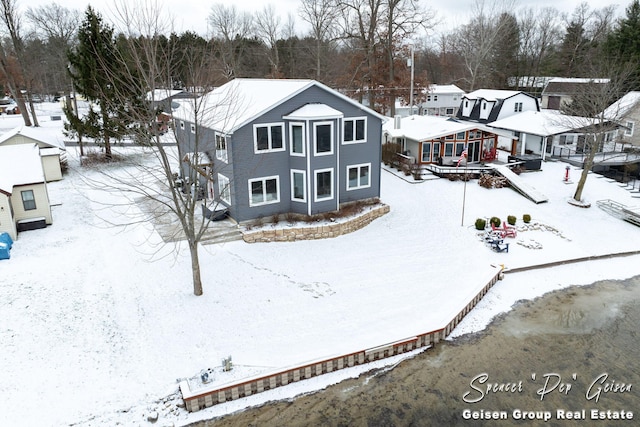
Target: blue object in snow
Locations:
point(5, 238)
point(4, 251)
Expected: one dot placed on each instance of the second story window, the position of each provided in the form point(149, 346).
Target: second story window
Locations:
point(323, 138)
point(518, 107)
point(268, 137)
point(355, 130)
point(221, 147)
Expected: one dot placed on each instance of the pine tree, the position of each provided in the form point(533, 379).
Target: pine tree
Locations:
point(623, 43)
point(94, 67)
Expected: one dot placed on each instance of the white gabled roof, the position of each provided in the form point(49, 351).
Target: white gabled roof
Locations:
point(37, 134)
point(240, 101)
point(442, 89)
point(542, 123)
point(158, 95)
point(492, 94)
point(320, 111)
point(622, 106)
point(20, 165)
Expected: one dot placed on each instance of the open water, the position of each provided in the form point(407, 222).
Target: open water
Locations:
point(569, 358)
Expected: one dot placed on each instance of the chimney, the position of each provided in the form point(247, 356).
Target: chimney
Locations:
point(397, 121)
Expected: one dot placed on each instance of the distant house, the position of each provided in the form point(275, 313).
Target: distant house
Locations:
point(625, 112)
point(24, 200)
point(560, 91)
point(441, 100)
point(52, 149)
point(542, 132)
point(487, 105)
point(430, 139)
point(263, 147)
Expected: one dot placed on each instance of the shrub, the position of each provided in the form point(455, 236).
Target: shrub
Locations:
point(526, 218)
point(511, 220)
point(275, 219)
point(481, 223)
point(495, 221)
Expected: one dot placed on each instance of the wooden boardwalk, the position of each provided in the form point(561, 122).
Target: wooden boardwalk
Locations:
point(519, 184)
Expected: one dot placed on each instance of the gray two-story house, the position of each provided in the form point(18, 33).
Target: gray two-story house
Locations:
point(263, 147)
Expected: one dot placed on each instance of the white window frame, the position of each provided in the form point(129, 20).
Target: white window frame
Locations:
point(193, 128)
point(304, 139)
point(222, 152)
point(315, 139)
point(224, 189)
point(353, 121)
point(182, 124)
point(358, 167)
point(304, 185)
point(629, 125)
point(315, 182)
point(264, 190)
point(270, 148)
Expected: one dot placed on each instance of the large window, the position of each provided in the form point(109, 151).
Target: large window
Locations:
point(28, 200)
point(224, 189)
point(296, 135)
point(298, 186)
point(359, 176)
point(221, 147)
point(323, 141)
point(268, 137)
point(263, 191)
point(459, 148)
point(324, 184)
point(448, 149)
point(426, 151)
point(355, 130)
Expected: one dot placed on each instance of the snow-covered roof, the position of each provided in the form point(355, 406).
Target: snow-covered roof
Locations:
point(320, 111)
point(542, 123)
point(39, 135)
point(20, 165)
point(622, 106)
point(492, 94)
point(425, 128)
point(158, 95)
point(441, 89)
point(239, 101)
point(577, 80)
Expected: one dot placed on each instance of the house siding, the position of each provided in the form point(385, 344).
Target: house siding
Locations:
point(6, 221)
point(43, 207)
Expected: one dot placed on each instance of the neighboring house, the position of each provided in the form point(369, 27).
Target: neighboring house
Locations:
point(441, 100)
point(625, 112)
point(430, 139)
point(24, 200)
point(488, 105)
point(542, 132)
point(52, 148)
point(559, 91)
point(163, 99)
point(265, 147)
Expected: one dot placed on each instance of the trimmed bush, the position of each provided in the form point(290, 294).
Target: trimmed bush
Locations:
point(495, 221)
point(511, 220)
point(481, 223)
point(526, 218)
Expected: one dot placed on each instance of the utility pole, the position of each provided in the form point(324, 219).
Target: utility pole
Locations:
point(411, 61)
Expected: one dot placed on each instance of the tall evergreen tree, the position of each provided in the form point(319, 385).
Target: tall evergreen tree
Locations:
point(94, 67)
point(623, 43)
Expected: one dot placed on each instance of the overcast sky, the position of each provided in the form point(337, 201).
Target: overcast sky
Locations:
point(192, 14)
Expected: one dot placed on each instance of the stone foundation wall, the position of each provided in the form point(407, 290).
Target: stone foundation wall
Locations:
point(311, 232)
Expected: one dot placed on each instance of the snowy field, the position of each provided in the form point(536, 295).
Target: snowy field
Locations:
point(97, 326)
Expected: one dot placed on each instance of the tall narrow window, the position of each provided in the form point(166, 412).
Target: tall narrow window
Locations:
point(28, 200)
point(297, 139)
point(221, 147)
point(224, 189)
point(518, 107)
point(629, 129)
point(426, 151)
point(359, 176)
point(298, 186)
point(323, 138)
point(324, 184)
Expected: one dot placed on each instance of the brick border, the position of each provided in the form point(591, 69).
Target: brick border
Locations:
point(194, 401)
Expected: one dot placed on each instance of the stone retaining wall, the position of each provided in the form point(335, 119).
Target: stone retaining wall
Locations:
point(320, 231)
point(199, 399)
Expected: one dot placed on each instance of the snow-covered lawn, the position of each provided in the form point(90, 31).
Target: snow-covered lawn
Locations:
point(96, 326)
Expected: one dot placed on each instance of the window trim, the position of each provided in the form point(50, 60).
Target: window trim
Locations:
point(315, 180)
point(32, 200)
point(264, 180)
point(304, 185)
point(222, 154)
point(270, 142)
point(224, 189)
point(629, 125)
point(193, 128)
point(304, 139)
point(358, 167)
point(182, 124)
point(354, 121)
point(315, 138)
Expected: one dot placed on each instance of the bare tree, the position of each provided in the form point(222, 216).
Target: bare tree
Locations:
point(268, 28)
point(322, 15)
point(232, 28)
point(539, 34)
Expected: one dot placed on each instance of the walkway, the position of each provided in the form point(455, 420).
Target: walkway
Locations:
point(519, 184)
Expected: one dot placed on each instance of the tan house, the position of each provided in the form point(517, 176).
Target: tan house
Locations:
point(24, 199)
point(559, 91)
point(625, 112)
point(52, 148)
